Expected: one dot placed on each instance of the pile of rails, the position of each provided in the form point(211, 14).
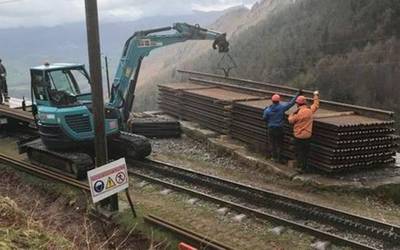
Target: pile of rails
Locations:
point(352, 141)
point(209, 106)
point(154, 126)
point(342, 138)
point(170, 96)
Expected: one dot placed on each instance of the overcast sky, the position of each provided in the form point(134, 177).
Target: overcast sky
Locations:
point(14, 13)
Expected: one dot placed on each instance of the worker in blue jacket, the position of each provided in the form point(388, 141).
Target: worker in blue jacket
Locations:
point(274, 116)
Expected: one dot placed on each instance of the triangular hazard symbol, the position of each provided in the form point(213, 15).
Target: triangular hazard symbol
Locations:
point(110, 183)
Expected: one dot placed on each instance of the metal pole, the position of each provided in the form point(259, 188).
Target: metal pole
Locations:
point(108, 76)
point(100, 140)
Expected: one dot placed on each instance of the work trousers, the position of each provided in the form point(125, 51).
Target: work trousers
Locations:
point(302, 149)
point(275, 139)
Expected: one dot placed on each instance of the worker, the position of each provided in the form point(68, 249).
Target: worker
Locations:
point(302, 120)
point(3, 83)
point(274, 116)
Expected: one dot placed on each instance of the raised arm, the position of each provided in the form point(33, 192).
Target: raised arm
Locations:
point(291, 103)
point(315, 105)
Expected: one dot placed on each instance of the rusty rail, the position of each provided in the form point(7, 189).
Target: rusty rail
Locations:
point(43, 172)
point(189, 236)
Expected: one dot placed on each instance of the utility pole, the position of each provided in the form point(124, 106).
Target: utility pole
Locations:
point(100, 141)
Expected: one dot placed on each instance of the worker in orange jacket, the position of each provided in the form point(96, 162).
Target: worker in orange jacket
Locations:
point(302, 120)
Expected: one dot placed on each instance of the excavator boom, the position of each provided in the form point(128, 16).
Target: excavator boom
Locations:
point(139, 45)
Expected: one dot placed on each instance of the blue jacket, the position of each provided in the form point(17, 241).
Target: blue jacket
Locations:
point(274, 115)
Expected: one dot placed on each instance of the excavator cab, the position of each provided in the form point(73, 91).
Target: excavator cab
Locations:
point(62, 105)
point(60, 85)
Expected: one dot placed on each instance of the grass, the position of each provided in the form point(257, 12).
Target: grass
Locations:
point(20, 231)
point(126, 220)
point(49, 186)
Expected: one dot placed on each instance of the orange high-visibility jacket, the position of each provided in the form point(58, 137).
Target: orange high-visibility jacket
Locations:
point(302, 120)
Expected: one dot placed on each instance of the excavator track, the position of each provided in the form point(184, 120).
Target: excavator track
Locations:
point(74, 164)
point(129, 145)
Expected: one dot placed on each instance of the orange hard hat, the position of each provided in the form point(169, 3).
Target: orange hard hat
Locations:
point(301, 100)
point(276, 98)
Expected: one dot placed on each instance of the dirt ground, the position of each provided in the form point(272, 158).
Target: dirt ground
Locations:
point(38, 214)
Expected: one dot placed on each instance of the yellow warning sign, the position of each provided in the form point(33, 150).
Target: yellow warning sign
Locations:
point(110, 183)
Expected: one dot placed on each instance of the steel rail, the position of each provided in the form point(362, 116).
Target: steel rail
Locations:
point(191, 237)
point(44, 172)
point(276, 86)
point(380, 230)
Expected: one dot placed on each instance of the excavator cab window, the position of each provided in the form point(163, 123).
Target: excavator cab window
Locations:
point(64, 85)
point(39, 86)
point(62, 80)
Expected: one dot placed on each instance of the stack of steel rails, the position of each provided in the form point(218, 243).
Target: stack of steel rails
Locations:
point(211, 107)
point(341, 140)
point(248, 125)
point(170, 96)
point(156, 127)
point(352, 141)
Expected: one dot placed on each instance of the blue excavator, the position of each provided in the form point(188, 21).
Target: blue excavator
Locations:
point(62, 104)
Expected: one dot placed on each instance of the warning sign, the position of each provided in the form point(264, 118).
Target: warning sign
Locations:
point(110, 183)
point(108, 179)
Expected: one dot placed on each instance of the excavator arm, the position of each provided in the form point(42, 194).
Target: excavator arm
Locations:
point(139, 45)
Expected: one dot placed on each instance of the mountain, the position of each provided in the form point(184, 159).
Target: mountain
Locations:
point(22, 48)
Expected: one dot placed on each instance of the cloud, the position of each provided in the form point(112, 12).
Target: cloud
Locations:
point(15, 13)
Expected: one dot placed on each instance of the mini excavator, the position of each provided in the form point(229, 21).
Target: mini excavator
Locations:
point(62, 104)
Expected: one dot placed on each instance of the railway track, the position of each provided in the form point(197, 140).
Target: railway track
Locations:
point(43, 172)
point(196, 239)
point(325, 223)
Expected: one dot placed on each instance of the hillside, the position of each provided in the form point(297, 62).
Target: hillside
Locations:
point(346, 48)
